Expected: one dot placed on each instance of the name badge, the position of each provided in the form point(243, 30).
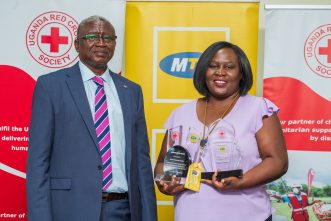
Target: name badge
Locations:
point(194, 177)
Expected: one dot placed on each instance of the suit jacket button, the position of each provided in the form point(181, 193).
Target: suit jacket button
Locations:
point(99, 167)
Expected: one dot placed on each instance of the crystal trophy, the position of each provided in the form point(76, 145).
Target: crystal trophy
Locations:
point(177, 159)
point(224, 153)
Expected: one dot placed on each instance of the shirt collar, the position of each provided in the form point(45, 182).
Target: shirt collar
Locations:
point(87, 74)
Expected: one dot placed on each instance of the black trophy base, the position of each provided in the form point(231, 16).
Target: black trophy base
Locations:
point(222, 174)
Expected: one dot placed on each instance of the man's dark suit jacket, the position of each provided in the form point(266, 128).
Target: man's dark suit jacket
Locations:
point(64, 174)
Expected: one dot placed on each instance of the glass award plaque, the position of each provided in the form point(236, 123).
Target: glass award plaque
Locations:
point(177, 159)
point(225, 154)
point(176, 162)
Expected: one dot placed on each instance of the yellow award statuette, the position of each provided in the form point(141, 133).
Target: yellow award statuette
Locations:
point(194, 177)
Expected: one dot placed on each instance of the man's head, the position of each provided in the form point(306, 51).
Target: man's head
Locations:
point(296, 188)
point(95, 43)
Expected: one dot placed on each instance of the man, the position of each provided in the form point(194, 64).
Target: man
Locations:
point(88, 153)
point(298, 201)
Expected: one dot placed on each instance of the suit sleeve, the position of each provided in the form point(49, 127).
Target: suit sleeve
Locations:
point(40, 145)
point(145, 177)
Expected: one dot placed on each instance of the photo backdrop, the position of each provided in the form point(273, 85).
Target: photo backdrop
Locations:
point(37, 37)
point(297, 78)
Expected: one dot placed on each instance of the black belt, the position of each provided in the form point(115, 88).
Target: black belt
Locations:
point(106, 197)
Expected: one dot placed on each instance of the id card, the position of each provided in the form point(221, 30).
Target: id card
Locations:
point(194, 177)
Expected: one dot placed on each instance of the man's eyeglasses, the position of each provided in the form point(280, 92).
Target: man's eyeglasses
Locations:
point(97, 38)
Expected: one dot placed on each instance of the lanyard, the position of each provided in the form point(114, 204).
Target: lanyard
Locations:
point(204, 140)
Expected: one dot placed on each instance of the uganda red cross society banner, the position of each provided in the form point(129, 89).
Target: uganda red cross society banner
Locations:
point(37, 37)
point(297, 78)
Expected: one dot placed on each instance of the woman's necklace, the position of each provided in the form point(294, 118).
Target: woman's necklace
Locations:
point(204, 140)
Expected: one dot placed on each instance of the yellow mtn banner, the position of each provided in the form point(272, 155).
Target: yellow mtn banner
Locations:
point(163, 43)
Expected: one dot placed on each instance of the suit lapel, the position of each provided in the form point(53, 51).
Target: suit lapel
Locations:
point(123, 92)
point(76, 87)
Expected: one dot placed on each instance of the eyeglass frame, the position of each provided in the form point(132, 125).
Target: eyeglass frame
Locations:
point(98, 37)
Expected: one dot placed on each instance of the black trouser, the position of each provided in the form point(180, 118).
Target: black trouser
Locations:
point(269, 218)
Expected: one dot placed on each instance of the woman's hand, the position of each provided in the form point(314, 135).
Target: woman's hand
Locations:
point(229, 183)
point(170, 187)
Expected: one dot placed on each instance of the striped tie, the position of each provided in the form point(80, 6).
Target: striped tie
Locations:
point(101, 122)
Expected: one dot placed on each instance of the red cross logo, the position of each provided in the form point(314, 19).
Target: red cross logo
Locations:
point(221, 133)
point(54, 39)
point(175, 135)
point(51, 43)
point(326, 51)
point(317, 51)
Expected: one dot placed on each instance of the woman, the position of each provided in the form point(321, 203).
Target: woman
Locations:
point(223, 77)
